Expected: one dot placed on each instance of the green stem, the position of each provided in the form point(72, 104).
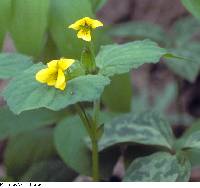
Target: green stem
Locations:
point(96, 111)
point(84, 119)
point(95, 160)
point(91, 128)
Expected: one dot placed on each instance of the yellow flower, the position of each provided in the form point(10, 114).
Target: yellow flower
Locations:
point(84, 27)
point(54, 74)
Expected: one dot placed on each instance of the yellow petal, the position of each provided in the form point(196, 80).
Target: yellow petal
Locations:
point(51, 82)
point(60, 83)
point(77, 25)
point(63, 86)
point(53, 64)
point(65, 63)
point(42, 76)
point(96, 23)
point(85, 35)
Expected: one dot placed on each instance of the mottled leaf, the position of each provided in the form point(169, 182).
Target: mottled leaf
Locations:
point(12, 65)
point(25, 93)
point(143, 128)
point(158, 167)
point(118, 59)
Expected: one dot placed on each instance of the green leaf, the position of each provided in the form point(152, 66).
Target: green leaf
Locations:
point(62, 14)
point(12, 64)
point(160, 103)
point(193, 6)
point(189, 67)
point(28, 148)
point(184, 167)
point(184, 30)
point(192, 141)
point(138, 30)
point(163, 101)
point(158, 167)
point(118, 59)
point(117, 96)
point(12, 125)
point(69, 138)
point(5, 13)
point(25, 93)
point(143, 128)
point(29, 24)
point(98, 4)
point(49, 171)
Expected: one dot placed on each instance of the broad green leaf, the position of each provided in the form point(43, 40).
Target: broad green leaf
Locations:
point(194, 155)
point(69, 138)
point(163, 101)
point(11, 125)
point(5, 13)
point(158, 167)
point(62, 14)
point(25, 149)
point(29, 24)
point(118, 59)
point(49, 171)
point(25, 93)
point(184, 167)
point(160, 103)
point(192, 141)
point(98, 4)
point(189, 67)
point(12, 64)
point(195, 126)
point(193, 6)
point(117, 96)
point(138, 30)
point(144, 128)
point(185, 30)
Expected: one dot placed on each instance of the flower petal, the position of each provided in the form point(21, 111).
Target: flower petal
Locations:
point(65, 63)
point(85, 35)
point(53, 64)
point(60, 83)
point(42, 76)
point(96, 23)
point(77, 25)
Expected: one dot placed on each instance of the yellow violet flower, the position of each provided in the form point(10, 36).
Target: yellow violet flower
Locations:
point(54, 74)
point(84, 27)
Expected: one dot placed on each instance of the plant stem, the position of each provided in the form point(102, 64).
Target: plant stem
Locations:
point(96, 111)
point(95, 154)
point(95, 160)
point(92, 127)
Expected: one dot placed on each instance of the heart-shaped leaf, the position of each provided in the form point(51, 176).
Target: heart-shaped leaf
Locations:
point(157, 167)
point(143, 128)
point(118, 59)
point(25, 93)
point(12, 65)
